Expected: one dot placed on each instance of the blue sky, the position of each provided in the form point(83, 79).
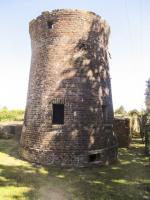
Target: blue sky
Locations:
point(129, 46)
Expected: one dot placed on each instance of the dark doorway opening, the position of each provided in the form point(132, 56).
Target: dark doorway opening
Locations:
point(58, 114)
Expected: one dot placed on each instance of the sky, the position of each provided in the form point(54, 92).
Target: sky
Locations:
point(129, 45)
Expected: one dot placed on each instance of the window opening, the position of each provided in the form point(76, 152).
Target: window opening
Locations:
point(104, 112)
point(94, 157)
point(58, 114)
point(50, 24)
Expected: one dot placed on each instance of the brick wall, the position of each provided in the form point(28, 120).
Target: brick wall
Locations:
point(122, 130)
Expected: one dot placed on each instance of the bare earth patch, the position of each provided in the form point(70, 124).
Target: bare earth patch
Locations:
point(53, 193)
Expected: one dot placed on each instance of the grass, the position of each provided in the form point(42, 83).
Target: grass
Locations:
point(127, 179)
point(11, 115)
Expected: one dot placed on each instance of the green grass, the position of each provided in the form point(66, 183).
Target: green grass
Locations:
point(11, 115)
point(127, 179)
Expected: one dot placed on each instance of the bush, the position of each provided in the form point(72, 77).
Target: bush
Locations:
point(11, 115)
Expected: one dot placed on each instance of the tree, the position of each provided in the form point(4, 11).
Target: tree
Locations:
point(120, 111)
point(147, 95)
point(146, 118)
point(134, 112)
point(4, 108)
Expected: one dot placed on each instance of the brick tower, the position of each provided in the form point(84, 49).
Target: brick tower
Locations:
point(69, 113)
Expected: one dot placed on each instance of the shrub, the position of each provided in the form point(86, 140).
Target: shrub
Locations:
point(11, 115)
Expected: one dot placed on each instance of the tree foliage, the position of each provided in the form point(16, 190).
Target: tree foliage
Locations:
point(133, 112)
point(11, 115)
point(147, 95)
point(120, 111)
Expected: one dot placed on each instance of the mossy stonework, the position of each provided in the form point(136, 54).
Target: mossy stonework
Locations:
point(69, 112)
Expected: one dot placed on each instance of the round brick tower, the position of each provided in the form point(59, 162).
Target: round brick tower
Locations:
point(69, 113)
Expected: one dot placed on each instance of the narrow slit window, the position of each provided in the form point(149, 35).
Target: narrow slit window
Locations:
point(104, 112)
point(50, 24)
point(58, 114)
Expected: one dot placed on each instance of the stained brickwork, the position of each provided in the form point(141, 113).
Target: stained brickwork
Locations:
point(69, 67)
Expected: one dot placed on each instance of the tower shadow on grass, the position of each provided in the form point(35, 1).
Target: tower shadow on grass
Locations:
point(128, 179)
